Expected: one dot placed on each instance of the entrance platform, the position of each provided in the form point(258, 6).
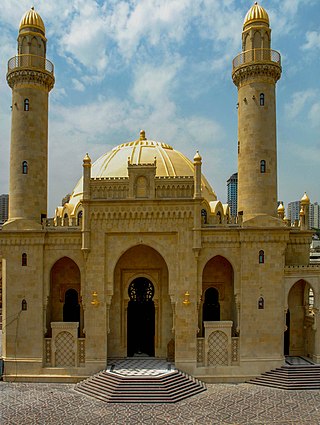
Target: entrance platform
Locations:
point(140, 380)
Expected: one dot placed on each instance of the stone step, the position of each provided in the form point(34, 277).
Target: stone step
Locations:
point(169, 387)
point(302, 377)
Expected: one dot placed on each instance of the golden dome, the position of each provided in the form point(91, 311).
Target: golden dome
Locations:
point(305, 199)
point(169, 162)
point(32, 19)
point(256, 14)
point(280, 208)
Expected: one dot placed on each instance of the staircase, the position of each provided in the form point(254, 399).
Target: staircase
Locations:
point(134, 383)
point(291, 377)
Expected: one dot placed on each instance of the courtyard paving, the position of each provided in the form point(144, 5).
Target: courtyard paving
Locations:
point(221, 404)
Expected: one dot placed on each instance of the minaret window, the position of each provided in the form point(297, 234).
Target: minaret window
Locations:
point(261, 257)
point(204, 216)
point(26, 105)
point(261, 99)
point(262, 166)
point(24, 259)
point(24, 167)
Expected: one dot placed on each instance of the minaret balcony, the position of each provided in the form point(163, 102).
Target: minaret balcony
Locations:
point(256, 56)
point(32, 62)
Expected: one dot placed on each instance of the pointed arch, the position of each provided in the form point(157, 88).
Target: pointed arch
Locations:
point(65, 288)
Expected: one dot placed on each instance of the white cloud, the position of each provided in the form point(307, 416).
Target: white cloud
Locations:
point(314, 116)
point(78, 85)
point(313, 41)
point(298, 102)
point(85, 37)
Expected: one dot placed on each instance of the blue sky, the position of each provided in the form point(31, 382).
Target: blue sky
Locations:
point(165, 66)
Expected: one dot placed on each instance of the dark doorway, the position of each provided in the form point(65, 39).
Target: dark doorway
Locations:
point(211, 305)
point(140, 318)
point(286, 339)
point(71, 307)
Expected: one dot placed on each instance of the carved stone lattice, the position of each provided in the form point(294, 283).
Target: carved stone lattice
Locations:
point(200, 350)
point(218, 349)
point(235, 350)
point(65, 355)
point(82, 351)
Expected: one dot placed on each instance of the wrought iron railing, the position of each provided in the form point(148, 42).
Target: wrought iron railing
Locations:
point(256, 55)
point(30, 61)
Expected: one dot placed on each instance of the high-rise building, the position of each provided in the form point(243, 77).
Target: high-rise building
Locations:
point(294, 210)
point(314, 216)
point(232, 195)
point(4, 202)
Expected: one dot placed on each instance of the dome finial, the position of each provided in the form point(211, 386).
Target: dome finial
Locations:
point(256, 14)
point(143, 135)
point(32, 19)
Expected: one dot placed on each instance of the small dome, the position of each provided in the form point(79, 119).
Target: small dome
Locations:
point(305, 199)
point(256, 14)
point(32, 19)
point(280, 208)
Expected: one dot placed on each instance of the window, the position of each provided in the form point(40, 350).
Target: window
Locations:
point(262, 166)
point(24, 259)
point(261, 303)
point(261, 256)
point(219, 217)
point(311, 299)
point(261, 99)
point(26, 104)
point(204, 216)
point(24, 167)
point(79, 218)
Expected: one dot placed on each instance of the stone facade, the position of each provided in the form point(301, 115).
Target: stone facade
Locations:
point(144, 260)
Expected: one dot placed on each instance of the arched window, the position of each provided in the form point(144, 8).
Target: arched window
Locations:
point(26, 104)
point(24, 167)
point(261, 256)
point(310, 299)
point(261, 99)
point(219, 217)
point(262, 166)
point(79, 217)
point(24, 259)
point(204, 216)
point(261, 303)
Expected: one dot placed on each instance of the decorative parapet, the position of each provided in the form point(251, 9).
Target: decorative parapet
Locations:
point(256, 55)
point(23, 68)
point(28, 61)
point(304, 269)
point(256, 62)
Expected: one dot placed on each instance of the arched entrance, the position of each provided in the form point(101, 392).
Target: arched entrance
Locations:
point(140, 315)
point(218, 292)
point(299, 335)
point(140, 318)
point(64, 302)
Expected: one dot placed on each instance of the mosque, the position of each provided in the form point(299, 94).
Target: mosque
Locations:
point(143, 259)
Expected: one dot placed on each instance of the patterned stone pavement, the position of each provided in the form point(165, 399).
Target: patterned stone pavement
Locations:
point(222, 404)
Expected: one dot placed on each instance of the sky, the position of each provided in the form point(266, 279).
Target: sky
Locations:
point(165, 66)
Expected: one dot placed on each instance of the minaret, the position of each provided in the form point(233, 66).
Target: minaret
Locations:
point(255, 72)
point(30, 76)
